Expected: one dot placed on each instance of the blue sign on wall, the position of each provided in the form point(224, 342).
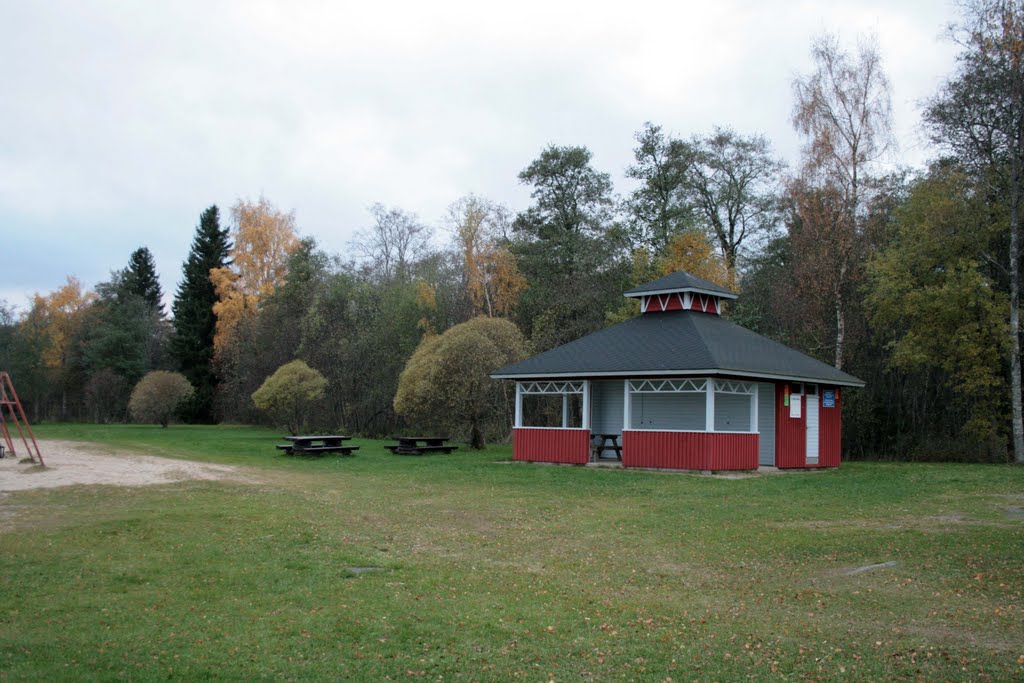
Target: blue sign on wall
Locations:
point(828, 398)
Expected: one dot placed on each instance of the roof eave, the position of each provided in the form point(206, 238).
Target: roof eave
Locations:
point(678, 290)
point(852, 382)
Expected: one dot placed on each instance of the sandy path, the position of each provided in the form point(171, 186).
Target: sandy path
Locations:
point(69, 463)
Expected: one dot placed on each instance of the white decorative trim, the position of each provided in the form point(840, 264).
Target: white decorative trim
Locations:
point(552, 387)
point(729, 386)
point(559, 429)
point(656, 386)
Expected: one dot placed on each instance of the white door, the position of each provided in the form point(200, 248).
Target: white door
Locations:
point(811, 400)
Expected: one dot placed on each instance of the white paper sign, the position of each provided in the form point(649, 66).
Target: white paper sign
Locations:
point(794, 405)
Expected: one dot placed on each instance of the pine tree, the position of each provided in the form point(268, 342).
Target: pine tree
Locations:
point(194, 320)
point(140, 278)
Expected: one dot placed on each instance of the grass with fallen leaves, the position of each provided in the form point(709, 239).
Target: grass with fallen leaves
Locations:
point(489, 570)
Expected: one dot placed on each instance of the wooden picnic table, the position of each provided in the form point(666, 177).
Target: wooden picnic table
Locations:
point(599, 449)
point(317, 445)
point(420, 445)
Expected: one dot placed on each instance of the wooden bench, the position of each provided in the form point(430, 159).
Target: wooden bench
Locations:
point(599, 449)
point(317, 445)
point(420, 445)
point(320, 450)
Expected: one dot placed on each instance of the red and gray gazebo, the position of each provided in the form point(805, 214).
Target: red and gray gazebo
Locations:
point(678, 387)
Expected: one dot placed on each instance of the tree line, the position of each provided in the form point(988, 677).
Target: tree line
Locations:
point(909, 279)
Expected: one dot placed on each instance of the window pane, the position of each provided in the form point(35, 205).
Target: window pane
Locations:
point(576, 410)
point(670, 410)
point(545, 410)
point(732, 412)
point(542, 410)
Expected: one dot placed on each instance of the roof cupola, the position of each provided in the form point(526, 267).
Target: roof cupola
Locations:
point(680, 291)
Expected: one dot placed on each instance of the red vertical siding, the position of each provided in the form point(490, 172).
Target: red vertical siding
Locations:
point(551, 445)
point(790, 433)
point(704, 302)
point(830, 436)
point(689, 450)
point(674, 303)
point(657, 303)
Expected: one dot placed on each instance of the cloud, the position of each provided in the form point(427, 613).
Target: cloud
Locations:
point(124, 121)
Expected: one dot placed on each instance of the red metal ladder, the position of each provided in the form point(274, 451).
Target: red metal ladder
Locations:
point(11, 410)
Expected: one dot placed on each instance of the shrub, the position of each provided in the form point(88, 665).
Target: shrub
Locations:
point(288, 394)
point(158, 395)
point(446, 383)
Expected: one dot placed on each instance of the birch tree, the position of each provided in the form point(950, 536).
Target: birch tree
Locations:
point(491, 278)
point(843, 110)
point(263, 238)
point(395, 242)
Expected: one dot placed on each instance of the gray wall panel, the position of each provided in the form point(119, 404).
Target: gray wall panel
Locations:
point(670, 410)
point(732, 412)
point(606, 407)
point(766, 423)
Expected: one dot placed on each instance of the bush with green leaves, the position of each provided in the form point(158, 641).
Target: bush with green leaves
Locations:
point(446, 384)
point(288, 394)
point(157, 396)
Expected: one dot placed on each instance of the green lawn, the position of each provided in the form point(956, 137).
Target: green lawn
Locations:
point(501, 571)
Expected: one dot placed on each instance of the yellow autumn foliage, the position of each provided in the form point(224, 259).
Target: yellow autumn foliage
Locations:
point(692, 251)
point(493, 280)
point(57, 317)
point(263, 238)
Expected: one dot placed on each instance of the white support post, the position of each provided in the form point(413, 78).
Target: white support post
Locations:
point(753, 411)
point(565, 410)
point(627, 409)
point(519, 405)
point(586, 404)
point(709, 406)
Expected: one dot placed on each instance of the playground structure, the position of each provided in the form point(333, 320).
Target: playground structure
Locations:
point(12, 412)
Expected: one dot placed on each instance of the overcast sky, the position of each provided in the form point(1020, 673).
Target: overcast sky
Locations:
point(121, 121)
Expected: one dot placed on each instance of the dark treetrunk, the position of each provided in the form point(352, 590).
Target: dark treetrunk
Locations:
point(476, 437)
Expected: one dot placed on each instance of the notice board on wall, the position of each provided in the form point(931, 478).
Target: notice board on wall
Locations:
point(828, 398)
point(794, 405)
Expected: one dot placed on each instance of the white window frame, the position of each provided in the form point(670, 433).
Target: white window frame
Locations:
point(706, 385)
point(565, 389)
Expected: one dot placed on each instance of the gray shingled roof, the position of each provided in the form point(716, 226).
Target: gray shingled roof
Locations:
point(676, 343)
point(679, 280)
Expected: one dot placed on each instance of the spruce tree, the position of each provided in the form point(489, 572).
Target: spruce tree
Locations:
point(140, 279)
point(194, 320)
